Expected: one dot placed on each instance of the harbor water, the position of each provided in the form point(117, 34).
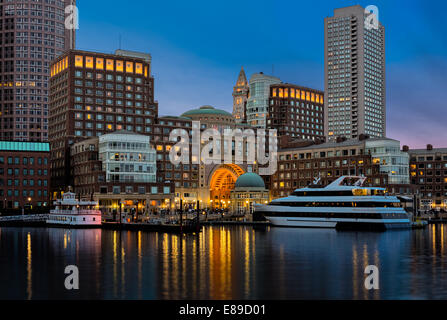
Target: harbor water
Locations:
point(223, 262)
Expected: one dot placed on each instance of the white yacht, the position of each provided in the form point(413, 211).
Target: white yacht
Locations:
point(74, 213)
point(343, 204)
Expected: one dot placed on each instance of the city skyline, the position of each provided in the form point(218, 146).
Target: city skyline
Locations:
point(189, 59)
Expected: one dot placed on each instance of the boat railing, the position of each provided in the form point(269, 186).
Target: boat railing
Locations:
point(77, 211)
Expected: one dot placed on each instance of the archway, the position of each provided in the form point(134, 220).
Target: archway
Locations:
point(222, 183)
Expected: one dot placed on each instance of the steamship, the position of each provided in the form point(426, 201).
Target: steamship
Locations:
point(343, 204)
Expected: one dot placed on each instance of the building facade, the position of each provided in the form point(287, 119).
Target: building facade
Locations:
point(428, 170)
point(296, 111)
point(240, 97)
point(258, 101)
point(249, 191)
point(33, 33)
point(92, 94)
point(119, 170)
point(24, 175)
point(354, 75)
point(299, 166)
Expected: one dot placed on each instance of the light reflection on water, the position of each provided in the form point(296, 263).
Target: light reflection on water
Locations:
point(223, 263)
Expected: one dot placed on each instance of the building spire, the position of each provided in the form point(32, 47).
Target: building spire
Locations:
point(242, 79)
point(240, 96)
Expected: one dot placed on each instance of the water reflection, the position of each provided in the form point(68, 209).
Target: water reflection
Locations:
point(223, 263)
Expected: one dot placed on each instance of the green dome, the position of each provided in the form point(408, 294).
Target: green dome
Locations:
point(249, 180)
point(206, 110)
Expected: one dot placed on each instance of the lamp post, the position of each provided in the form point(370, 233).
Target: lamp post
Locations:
point(120, 204)
point(29, 203)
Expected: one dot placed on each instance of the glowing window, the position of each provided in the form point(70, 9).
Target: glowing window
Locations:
point(119, 66)
point(303, 95)
point(286, 93)
point(52, 71)
point(129, 67)
point(321, 99)
point(79, 61)
point(159, 148)
point(274, 92)
point(318, 98)
point(312, 97)
point(308, 96)
point(138, 68)
point(109, 127)
point(292, 93)
point(100, 63)
point(281, 93)
point(109, 65)
point(89, 62)
point(66, 62)
point(297, 94)
point(145, 71)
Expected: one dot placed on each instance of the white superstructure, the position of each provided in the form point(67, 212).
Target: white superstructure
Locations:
point(343, 204)
point(72, 212)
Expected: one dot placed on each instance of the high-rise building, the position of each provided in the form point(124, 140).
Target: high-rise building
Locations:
point(258, 101)
point(296, 111)
point(354, 75)
point(33, 33)
point(240, 97)
point(92, 94)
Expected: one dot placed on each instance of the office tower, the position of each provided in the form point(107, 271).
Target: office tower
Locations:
point(33, 33)
point(296, 111)
point(258, 101)
point(354, 75)
point(92, 94)
point(240, 97)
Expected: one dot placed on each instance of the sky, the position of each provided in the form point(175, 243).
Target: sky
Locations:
point(198, 48)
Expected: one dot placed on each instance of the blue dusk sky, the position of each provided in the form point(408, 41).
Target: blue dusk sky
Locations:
point(198, 48)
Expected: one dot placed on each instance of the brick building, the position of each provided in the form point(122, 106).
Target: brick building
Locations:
point(428, 170)
point(92, 94)
point(24, 175)
point(380, 160)
point(296, 111)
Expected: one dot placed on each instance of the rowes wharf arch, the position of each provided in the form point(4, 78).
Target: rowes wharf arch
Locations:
point(221, 182)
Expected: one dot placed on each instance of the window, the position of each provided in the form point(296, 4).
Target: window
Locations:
point(100, 63)
point(138, 68)
point(119, 66)
point(109, 65)
point(129, 67)
point(79, 61)
point(89, 62)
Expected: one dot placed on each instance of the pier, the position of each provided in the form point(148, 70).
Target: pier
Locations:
point(34, 220)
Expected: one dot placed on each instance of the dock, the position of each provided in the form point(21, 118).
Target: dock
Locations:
point(148, 227)
point(34, 220)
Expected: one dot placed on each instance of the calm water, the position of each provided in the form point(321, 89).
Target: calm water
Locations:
point(223, 263)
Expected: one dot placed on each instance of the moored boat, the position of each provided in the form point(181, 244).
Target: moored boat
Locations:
point(74, 213)
point(343, 204)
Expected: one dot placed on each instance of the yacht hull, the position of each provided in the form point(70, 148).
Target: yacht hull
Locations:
point(340, 224)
